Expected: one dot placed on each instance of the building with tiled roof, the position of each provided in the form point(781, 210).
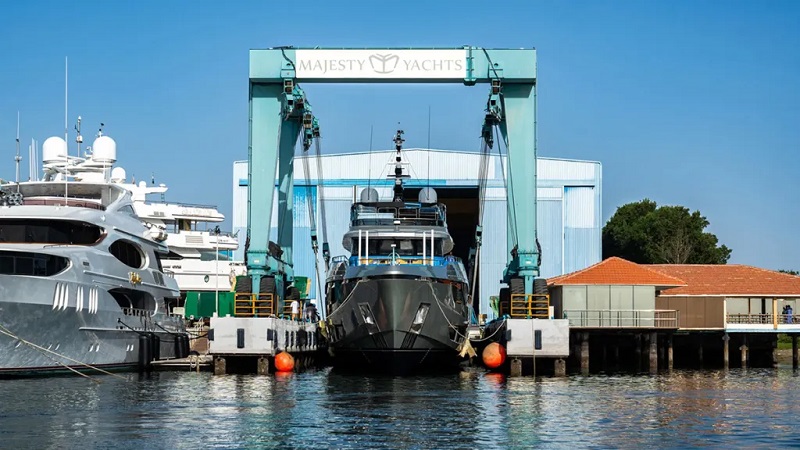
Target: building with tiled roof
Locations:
point(731, 297)
point(612, 293)
point(710, 297)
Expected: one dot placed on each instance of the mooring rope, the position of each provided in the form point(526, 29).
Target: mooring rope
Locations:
point(9, 333)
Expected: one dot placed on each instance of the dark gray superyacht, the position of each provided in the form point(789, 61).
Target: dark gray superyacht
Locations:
point(399, 302)
point(81, 284)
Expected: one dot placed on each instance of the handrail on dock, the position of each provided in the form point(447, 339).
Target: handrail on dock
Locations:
point(761, 319)
point(631, 318)
point(247, 304)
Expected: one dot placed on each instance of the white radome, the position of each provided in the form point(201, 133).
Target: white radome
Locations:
point(104, 150)
point(118, 175)
point(54, 150)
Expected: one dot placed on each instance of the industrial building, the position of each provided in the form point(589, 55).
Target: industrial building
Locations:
point(568, 207)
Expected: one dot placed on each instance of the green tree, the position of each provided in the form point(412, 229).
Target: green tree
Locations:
point(646, 233)
point(790, 272)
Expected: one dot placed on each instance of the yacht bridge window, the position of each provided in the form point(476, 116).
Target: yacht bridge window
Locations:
point(403, 247)
point(49, 231)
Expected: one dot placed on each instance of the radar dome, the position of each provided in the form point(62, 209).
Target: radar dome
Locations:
point(104, 150)
point(428, 195)
point(54, 150)
point(369, 195)
point(118, 175)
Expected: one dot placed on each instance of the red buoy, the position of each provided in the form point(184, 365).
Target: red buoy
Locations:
point(284, 362)
point(494, 355)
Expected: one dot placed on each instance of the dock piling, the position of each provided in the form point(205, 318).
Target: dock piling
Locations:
point(560, 367)
point(219, 366)
point(653, 353)
point(725, 352)
point(585, 354)
point(794, 352)
point(263, 366)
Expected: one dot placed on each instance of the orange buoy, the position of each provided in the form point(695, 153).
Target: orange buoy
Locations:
point(284, 362)
point(494, 355)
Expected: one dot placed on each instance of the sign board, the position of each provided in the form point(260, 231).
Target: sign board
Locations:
point(381, 64)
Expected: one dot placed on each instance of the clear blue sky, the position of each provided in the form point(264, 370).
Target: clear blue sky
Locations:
point(690, 103)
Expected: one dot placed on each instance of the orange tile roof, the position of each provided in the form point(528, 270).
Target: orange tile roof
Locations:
point(731, 280)
point(617, 271)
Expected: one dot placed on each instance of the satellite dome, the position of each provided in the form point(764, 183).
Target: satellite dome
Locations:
point(428, 195)
point(54, 150)
point(118, 175)
point(104, 150)
point(369, 195)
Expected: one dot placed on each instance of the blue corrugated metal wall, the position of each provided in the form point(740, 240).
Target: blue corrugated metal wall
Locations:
point(581, 246)
point(548, 222)
point(303, 255)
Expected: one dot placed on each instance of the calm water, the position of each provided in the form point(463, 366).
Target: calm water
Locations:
point(753, 408)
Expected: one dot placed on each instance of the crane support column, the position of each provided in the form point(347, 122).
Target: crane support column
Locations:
point(519, 135)
point(265, 132)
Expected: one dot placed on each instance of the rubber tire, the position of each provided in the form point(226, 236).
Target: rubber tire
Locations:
point(244, 284)
point(267, 285)
point(540, 286)
point(516, 285)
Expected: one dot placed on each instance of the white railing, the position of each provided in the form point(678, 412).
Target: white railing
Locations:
point(634, 318)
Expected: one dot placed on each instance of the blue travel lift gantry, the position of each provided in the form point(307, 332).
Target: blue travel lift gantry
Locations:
point(280, 114)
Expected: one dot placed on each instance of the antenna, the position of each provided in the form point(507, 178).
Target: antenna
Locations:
point(78, 137)
point(429, 145)
point(369, 175)
point(66, 129)
point(398, 165)
point(17, 158)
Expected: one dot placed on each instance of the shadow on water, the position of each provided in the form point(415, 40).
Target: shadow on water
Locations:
point(469, 409)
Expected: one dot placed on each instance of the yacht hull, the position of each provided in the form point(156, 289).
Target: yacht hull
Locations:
point(398, 325)
point(38, 339)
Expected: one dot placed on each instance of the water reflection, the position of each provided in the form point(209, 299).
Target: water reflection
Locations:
point(751, 408)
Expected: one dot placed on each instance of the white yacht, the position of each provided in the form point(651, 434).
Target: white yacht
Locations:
point(81, 281)
point(200, 255)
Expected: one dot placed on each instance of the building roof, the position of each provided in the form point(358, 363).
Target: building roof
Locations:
point(729, 280)
point(617, 271)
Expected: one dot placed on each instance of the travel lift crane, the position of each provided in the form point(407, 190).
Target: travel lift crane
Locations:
point(279, 112)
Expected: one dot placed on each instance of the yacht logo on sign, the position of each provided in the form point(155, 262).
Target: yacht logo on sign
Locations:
point(384, 64)
point(380, 64)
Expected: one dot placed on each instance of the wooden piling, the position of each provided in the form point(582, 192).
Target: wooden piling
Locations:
point(560, 367)
point(263, 366)
point(794, 352)
point(653, 353)
point(669, 352)
point(725, 352)
point(700, 351)
point(585, 354)
point(743, 349)
point(516, 367)
point(219, 366)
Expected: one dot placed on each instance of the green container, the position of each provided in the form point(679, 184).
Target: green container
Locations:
point(203, 304)
point(302, 285)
